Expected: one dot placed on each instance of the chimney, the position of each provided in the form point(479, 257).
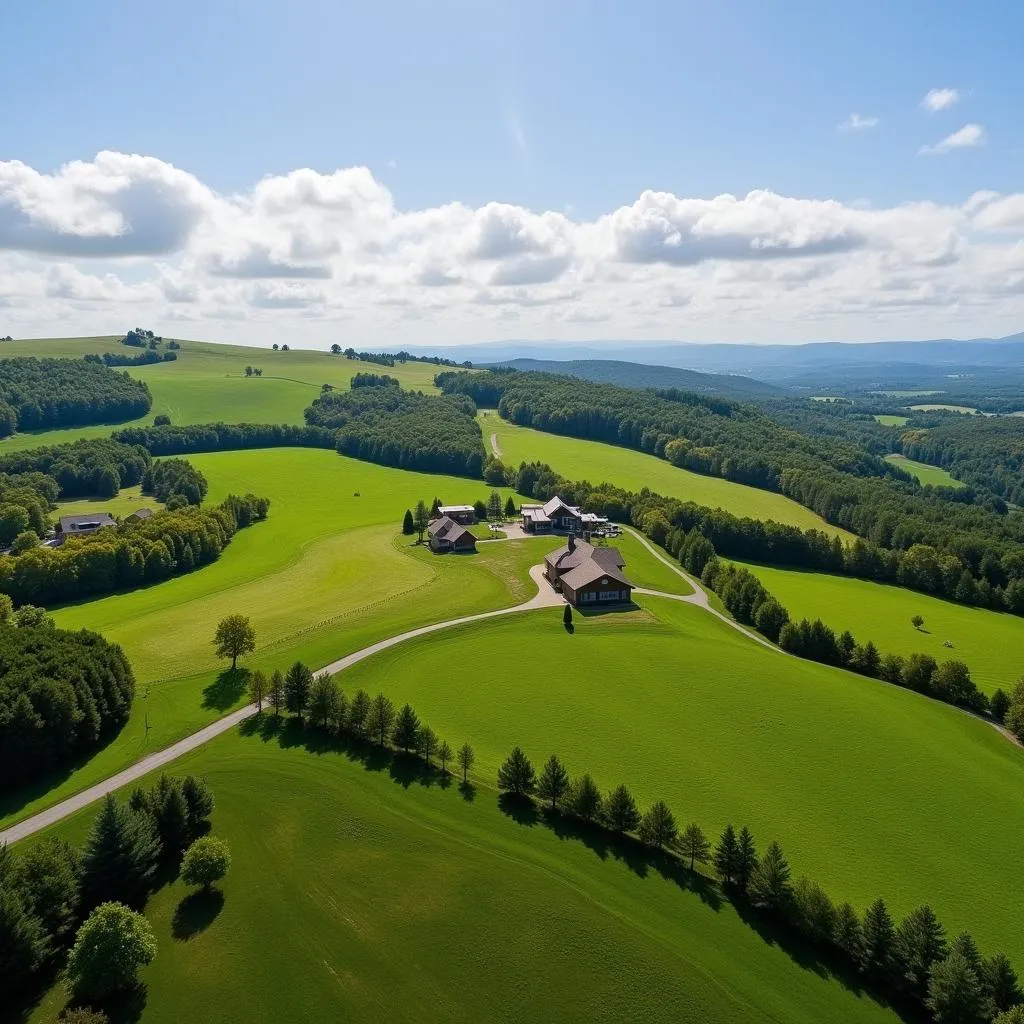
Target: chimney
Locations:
point(572, 542)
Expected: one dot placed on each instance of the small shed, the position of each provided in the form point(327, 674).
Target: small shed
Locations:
point(462, 514)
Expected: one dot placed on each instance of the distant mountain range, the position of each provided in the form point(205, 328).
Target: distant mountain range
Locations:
point(766, 362)
point(642, 375)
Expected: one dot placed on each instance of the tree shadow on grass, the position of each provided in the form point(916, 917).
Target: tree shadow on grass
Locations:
point(468, 791)
point(196, 912)
point(226, 690)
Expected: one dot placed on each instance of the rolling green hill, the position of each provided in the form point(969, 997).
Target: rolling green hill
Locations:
point(361, 895)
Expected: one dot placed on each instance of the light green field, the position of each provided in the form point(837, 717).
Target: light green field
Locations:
point(906, 394)
point(936, 407)
point(351, 897)
point(892, 421)
point(326, 574)
point(207, 382)
point(597, 462)
point(988, 642)
point(871, 789)
point(924, 472)
point(127, 501)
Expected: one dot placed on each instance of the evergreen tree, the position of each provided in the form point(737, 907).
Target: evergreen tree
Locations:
point(466, 759)
point(920, 944)
point(420, 520)
point(258, 689)
point(170, 812)
point(516, 776)
point(746, 859)
point(276, 692)
point(380, 718)
point(120, 855)
point(620, 811)
point(553, 783)
point(407, 725)
point(999, 704)
point(426, 743)
point(658, 827)
point(848, 935)
point(585, 799)
point(879, 940)
point(23, 943)
point(199, 801)
point(769, 884)
point(297, 683)
point(49, 877)
point(324, 698)
point(567, 616)
point(358, 713)
point(813, 912)
point(1000, 989)
point(954, 992)
point(965, 945)
point(694, 844)
point(444, 755)
point(435, 507)
point(727, 855)
point(510, 508)
point(408, 525)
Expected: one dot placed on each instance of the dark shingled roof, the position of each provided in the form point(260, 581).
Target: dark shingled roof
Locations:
point(86, 521)
point(448, 529)
point(584, 563)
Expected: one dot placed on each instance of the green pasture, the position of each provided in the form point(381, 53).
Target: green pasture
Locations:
point(128, 500)
point(597, 462)
point(927, 474)
point(871, 789)
point(362, 891)
point(892, 421)
point(207, 382)
point(989, 642)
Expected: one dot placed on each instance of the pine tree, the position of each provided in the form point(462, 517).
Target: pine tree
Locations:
point(553, 783)
point(658, 827)
point(516, 775)
point(120, 855)
point(170, 812)
point(444, 755)
point(276, 692)
point(620, 811)
point(407, 725)
point(510, 507)
point(420, 519)
point(199, 800)
point(408, 526)
point(727, 855)
point(358, 712)
point(426, 743)
point(954, 992)
point(23, 944)
point(999, 985)
point(769, 884)
point(50, 882)
point(466, 759)
point(694, 844)
point(585, 799)
point(879, 939)
point(746, 859)
point(380, 718)
point(848, 935)
point(297, 682)
point(920, 944)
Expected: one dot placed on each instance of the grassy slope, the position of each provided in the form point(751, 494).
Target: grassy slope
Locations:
point(207, 382)
point(925, 472)
point(871, 789)
point(888, 420)
point(127, 501)
point(355, 898)
point(989, 642)
point(597, 462)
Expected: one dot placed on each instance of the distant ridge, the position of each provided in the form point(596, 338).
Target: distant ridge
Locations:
point(643, 375)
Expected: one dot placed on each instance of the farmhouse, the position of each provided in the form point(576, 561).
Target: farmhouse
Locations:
point(588, 576)
point(448, 535)
point(138, 515)
point(559, 515)
point(83, 525)
point(462, 514)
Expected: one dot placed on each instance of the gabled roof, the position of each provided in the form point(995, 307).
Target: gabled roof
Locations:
point(140, 513)
point(449, 530)
point(592, 570)
point(556, 503)
point(86, 521)
point(564, 559)
point(536, 514)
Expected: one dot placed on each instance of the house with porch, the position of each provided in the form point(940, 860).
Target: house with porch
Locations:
point(445, 534)
point(559, 516)
point(588, 576)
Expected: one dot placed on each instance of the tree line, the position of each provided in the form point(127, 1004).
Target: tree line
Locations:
point(374, 380)
point(141, 359)
point(41, 393)
point(218, 437)
point(390, 358)
point(166, 544)
point(62, 693)
point(406, 429)
point(61, 906)
point(910, 961)
point(96, 467)
point(840, 481)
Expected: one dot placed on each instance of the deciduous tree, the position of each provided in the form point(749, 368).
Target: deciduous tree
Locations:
point(109, 950)
point(234, 637)
point(298, 681)
point(259, 687)
point(206, 861)
point(276, 692)
point(421, 520)
point(466, 758)
point(444, 755)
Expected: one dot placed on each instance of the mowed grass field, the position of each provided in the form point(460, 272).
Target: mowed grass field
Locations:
point(597, 462)
point(888, 420)
point(990, 643)
point(926, 473)
point(363, 895)
point(872, 790)
point(207, 382)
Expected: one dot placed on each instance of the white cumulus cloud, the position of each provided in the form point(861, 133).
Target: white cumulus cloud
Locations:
point(940, 99)
point(968, 137)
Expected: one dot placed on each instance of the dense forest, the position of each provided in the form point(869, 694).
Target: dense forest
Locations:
point(97, 467)
point(44, 393)
point(145, 551)
point(406, 429)
point(61, 693)
point(217, 437)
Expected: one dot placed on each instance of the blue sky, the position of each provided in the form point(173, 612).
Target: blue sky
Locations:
point(572, 108)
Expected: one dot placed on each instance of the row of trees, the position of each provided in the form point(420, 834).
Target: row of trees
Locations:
point(375, 380)
point(403, 428)
point(48, 892)
point(139, 551)
point(390, 358)
point(41, 393)
point(910, 960)
point(61, 694)
point(217, 437)
point(89, 467)
point(141, 359)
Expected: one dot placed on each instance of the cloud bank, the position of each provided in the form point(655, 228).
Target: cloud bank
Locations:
point(100, 245)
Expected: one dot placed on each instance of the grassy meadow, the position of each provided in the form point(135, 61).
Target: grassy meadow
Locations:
point(942, 407)
point(926, 473)
point(857, 779)
point(359, 893)
point(889, 420)
point(598, 462)
point(988, 642)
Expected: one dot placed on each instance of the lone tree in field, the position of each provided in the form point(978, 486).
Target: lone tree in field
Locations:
point(694, 844)
point(235, 636)
point(516, 775)
point(421, 520)
point(109, 949)
point(553, 783)
point(466, 759)
point(408, 526)
point(206, 861)
point(258, 689)
point(917, 621)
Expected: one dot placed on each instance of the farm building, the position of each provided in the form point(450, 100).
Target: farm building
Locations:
point(588, 576)
point(82, 525)
point(138, 515)
point(448, 535)
point(462, 514)
point(559, 515)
